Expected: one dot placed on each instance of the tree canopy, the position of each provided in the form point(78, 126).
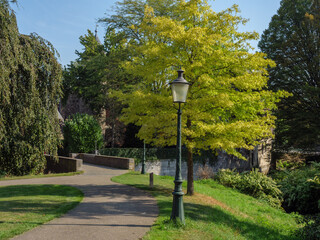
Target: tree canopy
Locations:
point(128, 13)
point(96, 72)
point(84, 76)
point(292, 41)
point(30, 80)
point(228, 106)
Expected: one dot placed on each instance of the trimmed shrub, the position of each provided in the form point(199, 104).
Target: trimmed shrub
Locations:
point(81, 133)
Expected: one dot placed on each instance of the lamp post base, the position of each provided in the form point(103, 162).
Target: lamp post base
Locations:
point(177, 205)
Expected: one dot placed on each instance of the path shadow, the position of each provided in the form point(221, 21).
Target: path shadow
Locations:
point(115, 199)
point(100, 200)
point(35, 190)
point(79, 224)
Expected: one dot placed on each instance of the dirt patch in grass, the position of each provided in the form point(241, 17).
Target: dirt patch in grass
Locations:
point(209, 201)
point(206, 200)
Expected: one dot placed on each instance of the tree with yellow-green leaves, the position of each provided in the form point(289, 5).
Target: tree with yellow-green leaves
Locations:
point(228, 106)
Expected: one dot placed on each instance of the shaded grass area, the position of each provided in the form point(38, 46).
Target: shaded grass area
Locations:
point(214, 212)
point(2, 178)
point(23, 207)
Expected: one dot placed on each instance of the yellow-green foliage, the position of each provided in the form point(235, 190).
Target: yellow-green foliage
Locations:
point(228, 106)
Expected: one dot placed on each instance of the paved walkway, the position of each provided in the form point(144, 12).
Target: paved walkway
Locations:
point(108, 211)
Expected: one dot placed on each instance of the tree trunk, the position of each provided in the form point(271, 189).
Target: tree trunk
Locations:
point(113, 133)
point(190, 188)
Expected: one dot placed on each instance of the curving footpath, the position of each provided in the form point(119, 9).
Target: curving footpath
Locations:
point(108, 211)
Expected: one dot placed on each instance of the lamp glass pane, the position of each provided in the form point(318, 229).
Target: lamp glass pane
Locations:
point(179, 92)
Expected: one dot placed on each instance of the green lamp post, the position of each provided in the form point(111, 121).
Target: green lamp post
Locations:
point(179, 92)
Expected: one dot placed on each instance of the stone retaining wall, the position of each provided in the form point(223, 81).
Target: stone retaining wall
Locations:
point(167, 167)
point(63, 165)
point(260, 158)
point(110, 161)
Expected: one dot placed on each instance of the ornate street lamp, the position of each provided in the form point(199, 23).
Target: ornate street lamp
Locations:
point(179, 92)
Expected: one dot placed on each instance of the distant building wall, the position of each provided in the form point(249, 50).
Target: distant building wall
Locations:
point(75, 105)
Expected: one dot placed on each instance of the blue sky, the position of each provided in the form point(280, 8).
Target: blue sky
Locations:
point(62, 22)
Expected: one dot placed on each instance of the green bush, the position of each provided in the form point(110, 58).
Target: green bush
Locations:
point(301, 191)
point(311, 229)
point(253, 183)
point(257, 184)
point(81, 133)
point(278, 175)
point(228, 178)
point(2, 173)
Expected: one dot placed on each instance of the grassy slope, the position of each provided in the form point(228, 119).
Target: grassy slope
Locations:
point(215, 212)
point(23, 207)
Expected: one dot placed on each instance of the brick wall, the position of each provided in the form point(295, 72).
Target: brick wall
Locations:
point(63, 165)
point(109, 161)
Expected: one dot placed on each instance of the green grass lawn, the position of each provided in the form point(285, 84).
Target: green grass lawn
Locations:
point(23, 207)
point(214, 212)
point(3, 178)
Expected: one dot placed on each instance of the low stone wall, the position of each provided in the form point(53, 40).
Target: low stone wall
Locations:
point(223, 161)
point(110, 161)
point(167, 167)
point(63, 165)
